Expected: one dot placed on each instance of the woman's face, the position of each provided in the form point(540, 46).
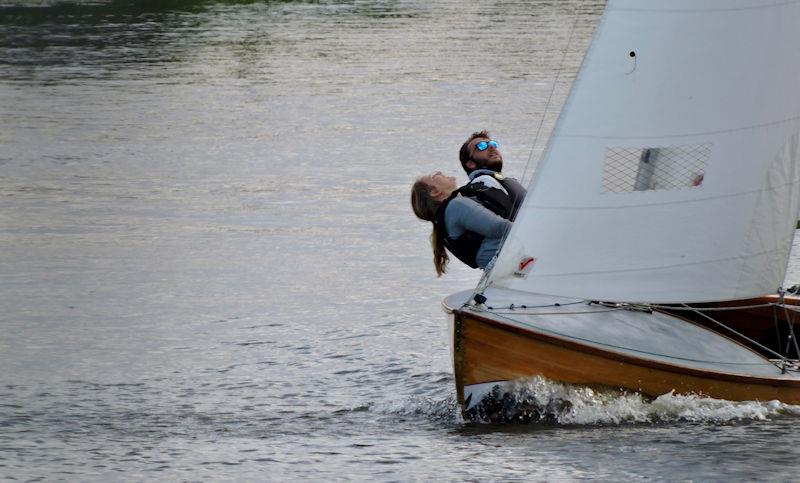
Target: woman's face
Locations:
point(441, 185)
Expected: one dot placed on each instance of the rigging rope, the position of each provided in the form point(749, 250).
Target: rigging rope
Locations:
point(484, 282)
point(790, 323)
point(783, 359)
point(580, 312)
point(715, 309)
point(549, 100)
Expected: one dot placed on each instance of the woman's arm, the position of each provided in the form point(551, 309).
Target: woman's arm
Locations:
point(464, 214)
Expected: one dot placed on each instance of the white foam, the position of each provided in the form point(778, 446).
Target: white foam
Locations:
point(585, 406)
point(539, 400)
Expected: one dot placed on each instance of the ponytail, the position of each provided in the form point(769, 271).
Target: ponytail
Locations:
point(425, 207)
point(440, 257)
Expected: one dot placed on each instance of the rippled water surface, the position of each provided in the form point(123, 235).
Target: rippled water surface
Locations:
point(209, 267)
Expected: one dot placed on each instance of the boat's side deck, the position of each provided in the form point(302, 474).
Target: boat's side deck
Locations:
point(646, 335)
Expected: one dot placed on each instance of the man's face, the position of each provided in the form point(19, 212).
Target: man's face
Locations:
point(489, 158)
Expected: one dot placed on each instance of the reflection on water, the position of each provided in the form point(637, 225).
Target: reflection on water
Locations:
point(52, 40)
point(60, 40)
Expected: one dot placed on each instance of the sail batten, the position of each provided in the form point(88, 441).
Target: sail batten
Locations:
point(672, 174)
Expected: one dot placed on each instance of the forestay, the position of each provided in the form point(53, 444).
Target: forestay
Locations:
point(672, 174)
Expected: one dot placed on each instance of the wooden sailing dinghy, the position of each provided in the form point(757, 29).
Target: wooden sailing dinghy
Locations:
point(657, 229)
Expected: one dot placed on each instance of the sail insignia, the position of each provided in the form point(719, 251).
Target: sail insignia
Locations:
point(524, 267)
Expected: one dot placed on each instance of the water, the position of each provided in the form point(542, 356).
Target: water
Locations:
point(209, 267)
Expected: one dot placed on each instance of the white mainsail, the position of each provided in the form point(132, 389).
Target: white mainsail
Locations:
point(673, 173)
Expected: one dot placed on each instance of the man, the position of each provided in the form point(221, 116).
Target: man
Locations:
point(481, 159)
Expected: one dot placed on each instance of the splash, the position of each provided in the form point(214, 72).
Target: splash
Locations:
point(429, 408)
point(541, 401)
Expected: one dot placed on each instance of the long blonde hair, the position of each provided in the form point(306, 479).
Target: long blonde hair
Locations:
point(425, 207)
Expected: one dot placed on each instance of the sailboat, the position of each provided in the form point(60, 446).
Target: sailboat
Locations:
point(650, 250)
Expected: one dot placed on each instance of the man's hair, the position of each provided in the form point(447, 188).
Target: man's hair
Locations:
point(463, 154)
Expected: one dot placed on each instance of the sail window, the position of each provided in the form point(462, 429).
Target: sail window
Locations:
point(654, 168)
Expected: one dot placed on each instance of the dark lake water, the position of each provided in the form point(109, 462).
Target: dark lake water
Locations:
point(209, 269)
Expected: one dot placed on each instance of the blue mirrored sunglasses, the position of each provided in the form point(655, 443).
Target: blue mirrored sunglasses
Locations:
point(484, 145)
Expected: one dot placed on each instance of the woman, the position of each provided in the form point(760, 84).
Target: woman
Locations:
point(470, 221)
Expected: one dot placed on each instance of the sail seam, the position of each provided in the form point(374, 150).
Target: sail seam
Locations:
point(660, 267)
point(697, 134)
point(671, 202)
point(705, 10)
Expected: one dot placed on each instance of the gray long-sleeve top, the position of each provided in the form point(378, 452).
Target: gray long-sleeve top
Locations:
point(465, 214)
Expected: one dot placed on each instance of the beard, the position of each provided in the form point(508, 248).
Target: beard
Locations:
point(494, 164)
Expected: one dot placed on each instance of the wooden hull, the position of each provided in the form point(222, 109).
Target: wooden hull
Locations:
point(487, 350)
